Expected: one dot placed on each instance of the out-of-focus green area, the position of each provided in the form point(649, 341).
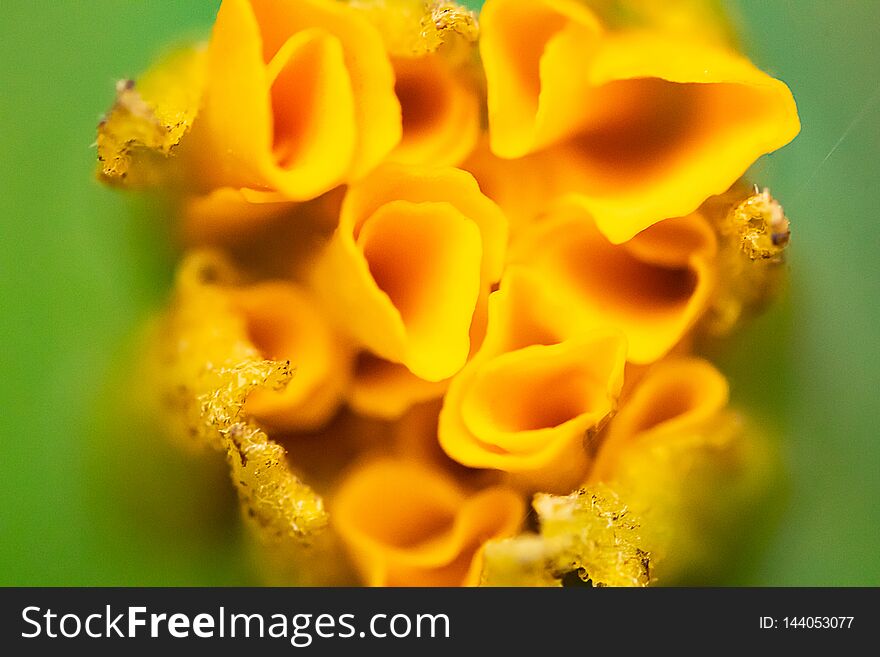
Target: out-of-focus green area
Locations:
point(813, 363)
point(82, 266)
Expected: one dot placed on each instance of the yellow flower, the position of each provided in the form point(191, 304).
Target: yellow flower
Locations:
point(538, 385)
point(415, 251)
point(433, 343)
point(299, 97)
point(405, 524)
point(650, 123)
point(653, 288)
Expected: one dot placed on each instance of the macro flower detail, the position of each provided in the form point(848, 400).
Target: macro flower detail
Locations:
point(201, 369)
point(406, 524)
point(299, 97)
point(415, 251)
point(149, 119)
point(535, 99)
point(438, 266)
point(537, 386)
point(591, 533)
point(652, 288)
point(650, 124)
point(674, 398)
point(675, 438)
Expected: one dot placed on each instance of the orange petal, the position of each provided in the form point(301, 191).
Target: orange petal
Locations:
point(414, 251)
point(652, 288)
point(674, 398)
point(533, 55)
point(441, 113)
point(232, 134)
point(408, 525)
point(691, 118)
point(651, 123)
point(314, 130)
point(290, 89)
point(525, 402)
point(282, 322)
point(377, 111)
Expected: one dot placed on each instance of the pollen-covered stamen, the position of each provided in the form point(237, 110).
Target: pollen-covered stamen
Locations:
point(754, 233)
point(760, 225)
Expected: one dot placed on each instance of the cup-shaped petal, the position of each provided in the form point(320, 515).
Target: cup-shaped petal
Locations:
point(533, 54)
point(299, 97)
point(283, 323)
point(652, 123)
point(440, 112)
point(674, 398)
point(652, 288)
point(415, 251)
point(537, 387)
point(405, 524)
point(689, 119)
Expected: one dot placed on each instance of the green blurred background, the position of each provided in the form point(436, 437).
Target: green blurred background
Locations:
point(82, 266)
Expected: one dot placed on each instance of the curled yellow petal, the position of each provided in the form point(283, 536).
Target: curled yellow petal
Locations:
point(405, 524)
point(299, 98)
point(537, 387)
point(653, 288)
point(651, 123)
point(284, 324)
point(440, 112)
point(692, 119)
point(415, 250)
point(673, 397)
point(534, 54)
